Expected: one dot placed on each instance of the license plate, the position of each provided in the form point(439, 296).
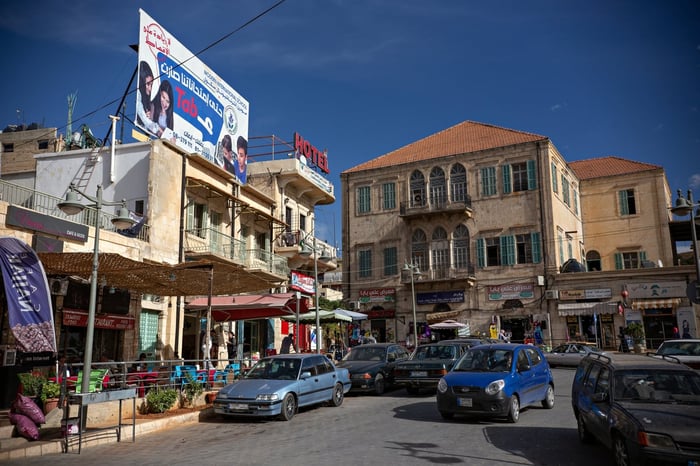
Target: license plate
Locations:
point(464, 402)
point(238, 406)
point(419, 373)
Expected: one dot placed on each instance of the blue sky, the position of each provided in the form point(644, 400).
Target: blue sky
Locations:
point(364, 77)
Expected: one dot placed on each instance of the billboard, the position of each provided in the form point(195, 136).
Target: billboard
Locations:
point(182, 100)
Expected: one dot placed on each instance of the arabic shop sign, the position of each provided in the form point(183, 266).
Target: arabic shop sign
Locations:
point(378, 295)
point(511, 291)
point(440, 297)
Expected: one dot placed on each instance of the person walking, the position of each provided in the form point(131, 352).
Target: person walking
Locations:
point(287, 344)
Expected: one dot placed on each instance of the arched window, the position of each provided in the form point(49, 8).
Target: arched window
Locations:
point(460, 248)
point(438, 187)
point(458, 183)
point(419, 248)
point(593, 261)
point(417, 187)
point(440, 253)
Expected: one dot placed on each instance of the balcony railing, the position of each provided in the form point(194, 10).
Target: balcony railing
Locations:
point(47, 204)
point(442, 274)
point(414, 208)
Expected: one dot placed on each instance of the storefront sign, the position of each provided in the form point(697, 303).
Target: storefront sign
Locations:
point(593, 293)
point(657, 290)
point(440, 297)
point(380, 314)
point(303, 283)
point(31, 220)
point(513, 291)
point(106, 321)
point(378, 295)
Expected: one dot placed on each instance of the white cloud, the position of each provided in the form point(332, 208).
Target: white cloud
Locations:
point(694, 181)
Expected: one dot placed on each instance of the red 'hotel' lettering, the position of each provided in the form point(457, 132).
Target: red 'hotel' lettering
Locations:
point(318, 158)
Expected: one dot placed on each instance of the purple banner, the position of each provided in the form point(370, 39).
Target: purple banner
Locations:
point(28, 297)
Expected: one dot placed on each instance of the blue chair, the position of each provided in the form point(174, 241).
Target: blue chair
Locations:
point(222, 374)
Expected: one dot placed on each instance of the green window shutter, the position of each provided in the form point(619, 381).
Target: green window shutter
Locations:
point(480, 258)
point(190, 216)
point(507, 250)
point(536, 251)
point(618, 261)
point(531, 175)
point(555, 180)
point(506, 179)
point(642, 257)
point(623, 202)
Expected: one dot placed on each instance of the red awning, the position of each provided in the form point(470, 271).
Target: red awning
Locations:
point(245, 307)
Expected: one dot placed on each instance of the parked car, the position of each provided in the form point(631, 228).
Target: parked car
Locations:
point(645, 409)
point(429, 363)
point(570, 354)
point(687, 351)
point(496, 380)
point(279, 385)
point(371, 366)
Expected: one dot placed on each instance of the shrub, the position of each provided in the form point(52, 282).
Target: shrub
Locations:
point(160, 400)
point(192, 389)
point(31, 383)
point(50, 390)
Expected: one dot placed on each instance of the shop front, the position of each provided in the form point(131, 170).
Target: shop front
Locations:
point(593, 322)
point(379, 304)
point(656, 304)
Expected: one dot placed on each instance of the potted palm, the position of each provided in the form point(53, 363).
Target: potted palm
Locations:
point(636, 331)
point(50, 393)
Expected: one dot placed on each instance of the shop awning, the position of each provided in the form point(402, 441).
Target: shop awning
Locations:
point(662, 303)
point(246, 307)
point(587, 309)
point(354, 315)
point(324, 316)
point(435, 317)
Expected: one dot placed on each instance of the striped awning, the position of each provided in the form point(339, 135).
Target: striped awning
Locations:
point(433, 317)
point(661, 303)
point(587, 309)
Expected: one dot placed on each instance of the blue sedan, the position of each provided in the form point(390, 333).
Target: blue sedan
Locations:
point(496, 381)
point(279, 385)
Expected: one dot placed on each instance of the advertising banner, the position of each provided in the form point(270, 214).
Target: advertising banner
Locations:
point(180, 99)
point(29, 310)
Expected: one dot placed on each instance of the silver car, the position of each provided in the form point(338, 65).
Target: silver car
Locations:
point(279, 385)
point(570, 354)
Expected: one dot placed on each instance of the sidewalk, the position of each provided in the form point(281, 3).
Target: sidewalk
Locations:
point(50, 441)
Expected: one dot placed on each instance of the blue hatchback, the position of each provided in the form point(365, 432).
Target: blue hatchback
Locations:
point(496, 381)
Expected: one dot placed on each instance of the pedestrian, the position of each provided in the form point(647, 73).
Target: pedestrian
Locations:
point(503, 337)
point(287, 344)
point(676, 333)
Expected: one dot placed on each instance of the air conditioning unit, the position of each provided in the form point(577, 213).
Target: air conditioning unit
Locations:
point(58, 286)
point(551, 294)
point(8, 356)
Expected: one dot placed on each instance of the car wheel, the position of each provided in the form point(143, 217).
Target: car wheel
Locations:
point(514, 411)
point(622, 457)
point(289, 407)
point(379, 384)
point(337, 395)
point(447, 415)
point(583, 435)
point(548, 402)
point(413, 390)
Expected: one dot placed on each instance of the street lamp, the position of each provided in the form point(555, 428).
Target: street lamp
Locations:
point(71, 206)
point(306, 252)
point(685, 206)
point(414, 271)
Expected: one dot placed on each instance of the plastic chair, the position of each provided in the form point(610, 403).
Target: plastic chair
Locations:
point(98, 377)
point(222, 374)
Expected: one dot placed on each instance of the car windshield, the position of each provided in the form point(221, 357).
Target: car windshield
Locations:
point(485, 360)
point(434, 352)
point(366, 353)
point(275, 369)
point(654, 386)
point(679, 348)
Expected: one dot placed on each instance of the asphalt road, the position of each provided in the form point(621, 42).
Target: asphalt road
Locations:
point(392, 429)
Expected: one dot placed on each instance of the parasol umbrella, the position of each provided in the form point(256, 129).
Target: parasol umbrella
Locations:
point(352, 314)
point(323, 315)
point(448, 324)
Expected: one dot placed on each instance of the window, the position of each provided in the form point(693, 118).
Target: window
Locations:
point(460, 251)
point(555, 186)
point(365, 259)
point(43, 144)
point(364, 201)
point(570, 246)
point(523, 247)
point(488, 252)
point(302, 222)
point(488, 181)
point(215, 240)
point(519, 177)
point(458, 183)
point(560, 239)
point(197, 219)
point(565, 190)
point(603, 384)
point(575, 202)
point(438, 189)
point(627, 204)
point(288, 220)
point(417, 184)
point(419, 248)
point(389, 196)
point(139, 207)
point(629, 260)
point(390, 261)
point(593, 261)
point(440, 251)
point(535, 357)
point(8, 147)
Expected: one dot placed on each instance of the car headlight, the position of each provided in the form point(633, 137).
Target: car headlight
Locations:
point(221, 395)
point(267, 397)
point(655, 440)
point(442, 386)
point(495, 387)
point(364, 375)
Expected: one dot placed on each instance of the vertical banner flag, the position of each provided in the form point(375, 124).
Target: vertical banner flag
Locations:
point(28, 297)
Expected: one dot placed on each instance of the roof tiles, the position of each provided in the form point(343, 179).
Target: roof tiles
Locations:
point(608, 166)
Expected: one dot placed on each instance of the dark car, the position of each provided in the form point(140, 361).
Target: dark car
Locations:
point(645, 408)
point(496, 380)
point(371, 366)
point(431, 362)
point(569, 354)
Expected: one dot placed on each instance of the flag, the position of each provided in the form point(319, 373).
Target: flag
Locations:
point(30, 313)
point(135, 229)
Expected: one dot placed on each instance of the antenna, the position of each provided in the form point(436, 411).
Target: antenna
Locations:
point(69, 127)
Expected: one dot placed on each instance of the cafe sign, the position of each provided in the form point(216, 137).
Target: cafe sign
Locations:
point(593, 293)
point(106, 321)
point(378, 295)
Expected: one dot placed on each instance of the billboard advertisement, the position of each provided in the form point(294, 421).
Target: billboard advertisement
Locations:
point(182, 100)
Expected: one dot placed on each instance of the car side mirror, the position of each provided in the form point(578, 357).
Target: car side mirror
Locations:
point(306, 375)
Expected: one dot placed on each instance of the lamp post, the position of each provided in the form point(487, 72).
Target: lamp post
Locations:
point(71, 206)
point(413, 270)
point(685, 206)
point(306, 252)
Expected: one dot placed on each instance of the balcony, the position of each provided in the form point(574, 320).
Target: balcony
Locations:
point(464, 276)
point(419, 208)
point(211, 244)
point(291, 244)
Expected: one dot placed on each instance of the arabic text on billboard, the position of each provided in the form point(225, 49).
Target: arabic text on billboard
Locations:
point(180, 99)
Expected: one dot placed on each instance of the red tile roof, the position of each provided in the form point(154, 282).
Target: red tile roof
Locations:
point(609, 166)
point(465, 137)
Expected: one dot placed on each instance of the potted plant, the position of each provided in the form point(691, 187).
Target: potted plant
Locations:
point(636, 331)
point(31, 383)
point(50, 393)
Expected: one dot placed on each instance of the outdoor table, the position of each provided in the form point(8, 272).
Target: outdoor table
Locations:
point(142, 380)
